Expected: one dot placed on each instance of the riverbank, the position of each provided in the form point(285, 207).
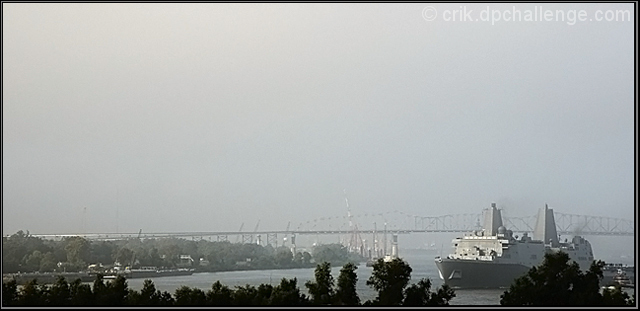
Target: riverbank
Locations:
point(86, 277)
point(48, 277)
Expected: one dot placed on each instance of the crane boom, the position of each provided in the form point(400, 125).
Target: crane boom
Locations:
point(348, 209)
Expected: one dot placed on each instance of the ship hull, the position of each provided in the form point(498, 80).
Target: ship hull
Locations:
point(460, 273)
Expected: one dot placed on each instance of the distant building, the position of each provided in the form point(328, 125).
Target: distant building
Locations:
point(185, 261)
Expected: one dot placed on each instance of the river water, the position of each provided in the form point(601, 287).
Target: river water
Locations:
point(421, 261)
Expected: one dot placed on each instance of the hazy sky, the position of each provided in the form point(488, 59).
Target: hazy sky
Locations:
point(199, 117)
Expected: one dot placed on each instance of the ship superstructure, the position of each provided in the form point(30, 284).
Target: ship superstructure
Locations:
point(493, 257)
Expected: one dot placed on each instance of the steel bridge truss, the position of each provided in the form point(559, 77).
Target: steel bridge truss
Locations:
point(565, 223)
point(568, 224)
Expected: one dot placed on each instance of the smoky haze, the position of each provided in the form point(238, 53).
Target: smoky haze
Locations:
point(200, 117)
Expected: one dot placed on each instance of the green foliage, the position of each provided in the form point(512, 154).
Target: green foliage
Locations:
point(60, 293)
point(48, 262)
point(251, 296)
point(246, 296)
point(186, 296)
point(321, 290)
point(9, 293)
point(20, 247)
point(124, 256)
point(560, 282)
point(389, 279)
point(33, 261)
point(306, 258)
point(284, 257)
point(442, 296)
point(287, 294)
point(24, 253)
point(346, 289)
point(220, 295)
point(32, 294)
point(419, 294)
point(113, 293)
point(116, 292)
point(616, 297)
point(336, 254)
point(149, 296)
point(166, 299)
point(77, 250)
point(264, 294)
point(80, 294)
point(100, 295)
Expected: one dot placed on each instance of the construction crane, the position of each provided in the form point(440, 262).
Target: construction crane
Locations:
point(355, 243)
point(133, 258)
point(348, 209)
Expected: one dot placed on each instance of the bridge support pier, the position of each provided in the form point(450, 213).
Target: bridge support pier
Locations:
point(272, 239)
point(247, 238)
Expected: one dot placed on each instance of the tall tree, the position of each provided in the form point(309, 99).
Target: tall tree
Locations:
point(219, 295)
point(60, 293)
point(346, 292)
point(100, 295)
point(77, 251)
point(148, 295)
point(321, 291)
point(389, 279)
point(117, 290)
point(287, 294)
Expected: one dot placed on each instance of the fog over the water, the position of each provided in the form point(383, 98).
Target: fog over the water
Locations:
point(200, 117)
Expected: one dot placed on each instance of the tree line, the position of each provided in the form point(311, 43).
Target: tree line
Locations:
point(389, 279)
point(22, 252)
point(557, 281)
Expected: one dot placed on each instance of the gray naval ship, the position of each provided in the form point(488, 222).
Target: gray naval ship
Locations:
point(494, 257)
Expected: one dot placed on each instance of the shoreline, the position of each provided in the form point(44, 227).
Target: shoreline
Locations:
point(85, 277)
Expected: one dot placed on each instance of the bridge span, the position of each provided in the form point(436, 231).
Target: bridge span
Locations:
point(393, 223)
